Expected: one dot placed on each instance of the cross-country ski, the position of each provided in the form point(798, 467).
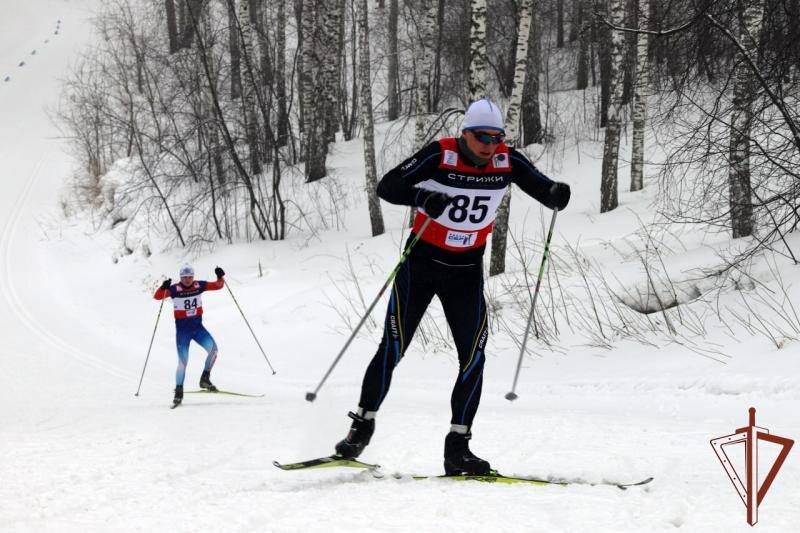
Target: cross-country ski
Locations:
point(333, 461)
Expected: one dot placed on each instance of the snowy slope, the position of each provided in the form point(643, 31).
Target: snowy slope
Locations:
point(81, 453)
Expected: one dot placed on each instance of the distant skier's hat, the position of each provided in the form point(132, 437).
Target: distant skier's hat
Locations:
point(483, 114)
point(187, 271)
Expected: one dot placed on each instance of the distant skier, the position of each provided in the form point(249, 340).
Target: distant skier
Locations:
point(187, 301)
point(459, 182)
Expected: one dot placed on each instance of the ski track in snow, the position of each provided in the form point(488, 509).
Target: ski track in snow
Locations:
point(8, 286)
point(80, 453)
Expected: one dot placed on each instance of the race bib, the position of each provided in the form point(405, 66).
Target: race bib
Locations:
point(188, 305)
point(470, 209)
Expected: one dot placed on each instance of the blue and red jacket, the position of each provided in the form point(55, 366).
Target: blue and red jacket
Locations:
point(187, 302)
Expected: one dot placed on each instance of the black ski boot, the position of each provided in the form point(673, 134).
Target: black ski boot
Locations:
point(361, 431)
point(459, 460)
point(176, 401)
point(205, 382)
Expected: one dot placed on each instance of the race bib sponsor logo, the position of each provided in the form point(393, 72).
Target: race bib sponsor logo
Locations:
point(459, 239)
point(500, 161)
point(480, 180)
point(450, 158)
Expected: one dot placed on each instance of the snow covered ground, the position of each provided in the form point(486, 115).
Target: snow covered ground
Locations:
point(81, 453)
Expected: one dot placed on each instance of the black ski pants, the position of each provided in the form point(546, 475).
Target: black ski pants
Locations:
point(460, 289)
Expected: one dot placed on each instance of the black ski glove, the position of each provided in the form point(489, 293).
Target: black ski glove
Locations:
point(559, 195)
point(434, 203)
point(219, 272)
point(166, 284)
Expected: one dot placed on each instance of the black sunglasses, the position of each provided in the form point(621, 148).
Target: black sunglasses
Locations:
point(487, 138)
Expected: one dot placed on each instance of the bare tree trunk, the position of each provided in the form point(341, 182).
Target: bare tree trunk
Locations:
point(264, 78)
point(477, 51)
point(640, 90)
point(323, 41)
point(424, 59)
point(437, 57)
point(348, 108)
point(315, 101)
point(532, 131)
point(584, 36)
point(236, 57)
point(375, 217)
point(393, 96)
point(604, 53)
point(575, 22)
point(191, 14)
point(559, 23)
point(524, 39)
point(299, 81)
point(183, 22)
point(280, 74)
point(333, 66)
point(631, 21)
point(740, 188)
point(307, 71)
point(500, 230)
point(172, 26)
point(249, 89)
point(706, 44)
point(608, 182)
point(349, 122)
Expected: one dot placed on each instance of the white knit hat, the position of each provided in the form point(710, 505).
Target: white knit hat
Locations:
point(187, 270)
point(483, 114)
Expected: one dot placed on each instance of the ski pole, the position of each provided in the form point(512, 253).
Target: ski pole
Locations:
point(511, 396)
point(311, 396)
point(160, 307)
point(251, 329)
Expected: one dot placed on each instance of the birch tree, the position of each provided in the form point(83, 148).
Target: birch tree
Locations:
point(249, 88)
point(521, 70)
point(190, 13)
point(393, 71)
point(744, 93)
point(532, 130)
point(307, 31)
point(263, 75)
point(575, 21)
point(424, 61)
point(608, 182)
point(436, 93)
point(477, 51)
point(172, 26)
point(280, 74)
point(500, 230)
point(235, 54)
point(321, 31)
point(332, 53)
point(605, 46)
point(375, 217)
point(640, 88)
point(584, 36)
